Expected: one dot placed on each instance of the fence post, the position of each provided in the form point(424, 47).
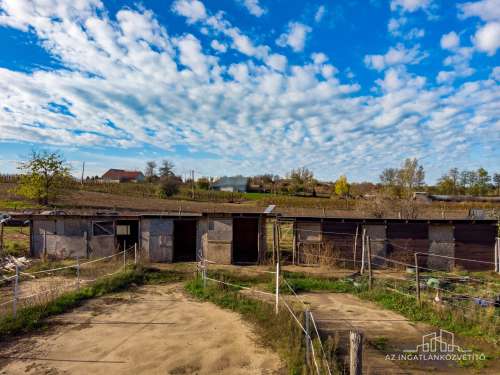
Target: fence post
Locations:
point(355, 353)
point(369, 250)
point(274, 242)
point(78, 273)
point(363, 248)
point(124, 255)
point(417, 279)
point(294, 243)
point(277, 287)
point(16, 291)
point(204, 273)
point(135, 253)
point(355, 248)
point(307, 334)
point(497, 254)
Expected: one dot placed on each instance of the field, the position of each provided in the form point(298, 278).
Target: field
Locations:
point(117, 197)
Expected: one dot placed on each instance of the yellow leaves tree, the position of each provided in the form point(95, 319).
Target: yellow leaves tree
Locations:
point(342, 187)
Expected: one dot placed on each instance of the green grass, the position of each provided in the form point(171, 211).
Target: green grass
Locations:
point(33, 317)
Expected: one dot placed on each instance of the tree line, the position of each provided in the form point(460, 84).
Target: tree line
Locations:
point(45, 174)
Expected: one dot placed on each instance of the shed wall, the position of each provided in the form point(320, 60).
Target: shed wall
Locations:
point(441, 242)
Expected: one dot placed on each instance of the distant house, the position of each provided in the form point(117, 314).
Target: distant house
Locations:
point(120, 175)
point(232, 184)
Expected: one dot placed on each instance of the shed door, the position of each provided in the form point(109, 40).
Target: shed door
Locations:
point(184, 240)
point(245, 240)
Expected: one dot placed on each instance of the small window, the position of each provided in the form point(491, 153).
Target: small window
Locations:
point(123, 230)
point(103, 228)
point(211, 225)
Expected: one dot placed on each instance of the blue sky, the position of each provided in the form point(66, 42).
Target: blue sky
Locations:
point(252, 86)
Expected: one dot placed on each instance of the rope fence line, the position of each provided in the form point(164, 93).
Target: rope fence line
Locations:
point(66, 283)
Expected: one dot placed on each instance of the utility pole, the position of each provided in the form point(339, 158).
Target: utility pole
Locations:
point(192, 183)
point(83, 171)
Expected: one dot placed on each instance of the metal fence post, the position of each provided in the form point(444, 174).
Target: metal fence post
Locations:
point(16, 291)
point(78, 273)
point(277, 287)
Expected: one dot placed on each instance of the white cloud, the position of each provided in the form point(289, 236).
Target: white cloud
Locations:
point(487, 38)
point(295, 37)
point(277, 62)
point(398, 55)
point(193, 10)
point(410, 5)
point(450, 41)
point(487, 10)
point(218, 46)
point(320, 13)
point(253, 7)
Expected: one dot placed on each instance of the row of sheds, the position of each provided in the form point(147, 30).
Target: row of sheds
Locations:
point(244, 238)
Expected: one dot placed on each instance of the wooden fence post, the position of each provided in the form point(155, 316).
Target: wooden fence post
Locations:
point(369, 251)
point(417, 279)
point(355, 353)
point(355, 248)
point(78, 273)
point(363, 250)
point(135, 253)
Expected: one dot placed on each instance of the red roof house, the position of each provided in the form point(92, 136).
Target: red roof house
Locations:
point(120, 175)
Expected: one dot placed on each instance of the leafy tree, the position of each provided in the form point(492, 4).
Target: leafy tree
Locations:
point(496, 180)
point(403, 181)
point(166, 169)
point(445, 185)
point(150, 172)
point(482, 181)
point(169, 185)
point(203, 183)
point(342, 187)
point(44, 175)
point(302, 179)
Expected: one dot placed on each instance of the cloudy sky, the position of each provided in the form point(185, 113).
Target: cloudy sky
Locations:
point(252, 86)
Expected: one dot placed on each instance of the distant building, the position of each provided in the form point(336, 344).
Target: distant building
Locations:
point(231, 184)
point(120, 175)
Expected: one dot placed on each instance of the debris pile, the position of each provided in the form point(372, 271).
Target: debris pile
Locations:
point(8, 263)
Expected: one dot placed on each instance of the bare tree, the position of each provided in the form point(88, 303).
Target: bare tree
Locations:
point(150, 172)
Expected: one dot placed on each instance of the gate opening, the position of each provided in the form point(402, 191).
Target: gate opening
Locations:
point(184, 240)
point(245, 240)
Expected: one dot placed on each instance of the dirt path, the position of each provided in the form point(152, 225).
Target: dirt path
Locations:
point(386, 332)
point(152, 330)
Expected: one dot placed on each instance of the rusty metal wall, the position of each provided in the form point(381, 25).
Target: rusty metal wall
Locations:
point(475, 241)
point(339, 238)
point(405, 239)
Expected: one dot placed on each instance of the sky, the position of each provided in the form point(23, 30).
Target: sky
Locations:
point(252, 86)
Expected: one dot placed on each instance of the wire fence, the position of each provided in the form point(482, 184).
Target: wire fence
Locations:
point(27, 289)
point(318, 361)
